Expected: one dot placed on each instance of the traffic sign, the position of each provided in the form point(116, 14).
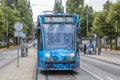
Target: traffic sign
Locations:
point(19, 34)
point(18, 26)
point(95, 35)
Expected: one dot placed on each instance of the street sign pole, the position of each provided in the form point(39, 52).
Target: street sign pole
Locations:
point(18, 27)
point(95, 36)
point(18, 50)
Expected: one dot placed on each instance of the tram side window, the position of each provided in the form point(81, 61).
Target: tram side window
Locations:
point(39, 40)
point(41, 47)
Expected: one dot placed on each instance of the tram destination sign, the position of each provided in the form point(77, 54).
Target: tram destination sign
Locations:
point(58, 19)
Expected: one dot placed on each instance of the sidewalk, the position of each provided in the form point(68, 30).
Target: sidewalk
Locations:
point(112, 51)
point(25, 71)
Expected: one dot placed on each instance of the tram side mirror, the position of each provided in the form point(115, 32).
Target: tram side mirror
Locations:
point(36, 32)
point(79, 30)
point(77, 45)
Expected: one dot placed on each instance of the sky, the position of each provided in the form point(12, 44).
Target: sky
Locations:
point(47, 5)
point(42, 5)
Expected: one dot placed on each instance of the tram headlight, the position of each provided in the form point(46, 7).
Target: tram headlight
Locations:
point(72, 54)
point(47, 55)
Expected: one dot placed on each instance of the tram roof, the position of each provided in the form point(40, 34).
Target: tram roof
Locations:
point(59, 14)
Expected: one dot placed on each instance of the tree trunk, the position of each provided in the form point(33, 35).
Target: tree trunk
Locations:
point(8, 42)
point(111, 43)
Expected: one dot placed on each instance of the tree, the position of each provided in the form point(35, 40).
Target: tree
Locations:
point(98, 24)
point(2, 23)
point(58, 7)
point(13, 11)
point(24, 8)
point(10, 2)
point(26, 16)
point(77, 7)
point(86, 20)
point(85, 13)
point(106, 6)
point(74, 6)
point(10, 17)
point(114, 14)
point(113, 18)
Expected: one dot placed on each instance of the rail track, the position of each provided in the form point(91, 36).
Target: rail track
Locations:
point(56, 75)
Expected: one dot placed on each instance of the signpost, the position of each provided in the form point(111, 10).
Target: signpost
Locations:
point(20, 34)
point(118, 42)
point(18, 27)
point(95, 36)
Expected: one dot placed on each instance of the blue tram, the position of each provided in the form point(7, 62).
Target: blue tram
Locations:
point(57, 40)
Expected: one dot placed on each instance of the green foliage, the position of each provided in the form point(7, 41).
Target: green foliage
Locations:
point(22, 13)
point(13, 11)
point(9, 15)
point(26, 16)
point(102, 24)
point(58, 7)
point(114, 14)
point(2, 23)
point(113, 18)
point(74, 6)
point(98, 24)
point(106, 6)
point(86, 15)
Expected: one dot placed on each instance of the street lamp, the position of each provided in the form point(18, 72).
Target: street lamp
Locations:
point(87, 24)
point(87, 19)
point(95, 37)
point(116, 31)
point(7, 40)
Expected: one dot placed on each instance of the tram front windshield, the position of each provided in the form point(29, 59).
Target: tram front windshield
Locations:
point(59, 36)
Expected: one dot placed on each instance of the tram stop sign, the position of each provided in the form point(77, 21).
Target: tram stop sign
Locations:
point(18, 26)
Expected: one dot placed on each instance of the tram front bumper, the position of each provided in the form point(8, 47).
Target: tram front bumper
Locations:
point(59, 62)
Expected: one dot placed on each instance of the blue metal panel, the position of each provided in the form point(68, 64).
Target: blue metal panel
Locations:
point(60, 58)
point(56, 55)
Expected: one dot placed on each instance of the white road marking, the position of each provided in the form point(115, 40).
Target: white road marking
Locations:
point(92, 73)
point(7, 57)
point(109, 78)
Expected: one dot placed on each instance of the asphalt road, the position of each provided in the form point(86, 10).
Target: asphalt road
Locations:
point(7, 56)
point(100, 69)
